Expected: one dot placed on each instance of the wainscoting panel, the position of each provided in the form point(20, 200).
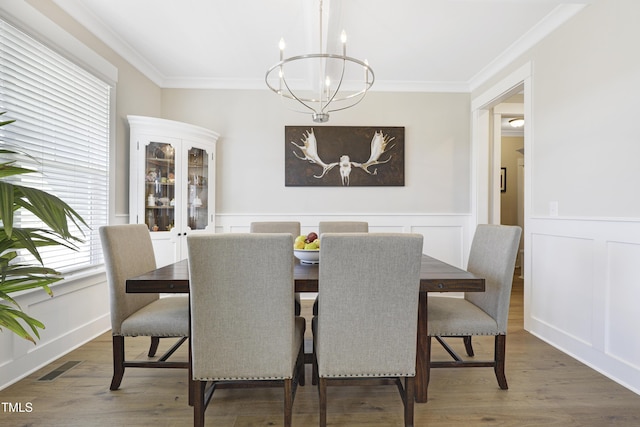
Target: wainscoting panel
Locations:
point(447, 237)
point(444, 243)
point(622, 298)
point(582, 293)
point(77, 313)
point(563, 268)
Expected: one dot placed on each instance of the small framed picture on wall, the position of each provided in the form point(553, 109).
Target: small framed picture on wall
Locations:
point(503, 180)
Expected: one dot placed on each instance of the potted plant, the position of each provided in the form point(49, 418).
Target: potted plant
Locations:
point(16, 276)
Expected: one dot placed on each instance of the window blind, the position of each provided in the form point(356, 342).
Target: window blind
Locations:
point(62, 120)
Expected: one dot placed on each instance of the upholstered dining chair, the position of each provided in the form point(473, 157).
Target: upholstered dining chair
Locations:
point(492, 256)
point(339, 227)
point(291, 227)
point(128, 252)
point(367, 321)
point(342, 227)
point(243, 328)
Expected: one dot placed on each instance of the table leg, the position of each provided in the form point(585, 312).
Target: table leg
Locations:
point(422, 356)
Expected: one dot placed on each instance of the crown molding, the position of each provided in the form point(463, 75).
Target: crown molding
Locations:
point(78, 11)
point(550, 23)
point(555, 19)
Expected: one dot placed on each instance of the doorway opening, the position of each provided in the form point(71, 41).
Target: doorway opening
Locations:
point(510, 157)
point(488, 111)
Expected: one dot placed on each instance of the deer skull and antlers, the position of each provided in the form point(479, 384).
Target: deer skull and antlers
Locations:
point(309, 149)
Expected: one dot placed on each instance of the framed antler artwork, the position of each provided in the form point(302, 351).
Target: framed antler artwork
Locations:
point(345, 156)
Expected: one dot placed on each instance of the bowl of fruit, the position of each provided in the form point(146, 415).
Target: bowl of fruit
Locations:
point(307, 248)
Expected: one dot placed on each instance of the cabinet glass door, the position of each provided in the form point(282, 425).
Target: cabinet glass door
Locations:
point(197, 189)
point(160, 167)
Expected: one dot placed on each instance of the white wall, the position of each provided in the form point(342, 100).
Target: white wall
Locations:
point(581, 275)
point(583, 292)
point(435, 200)
point(586, 112)
point(250, 172)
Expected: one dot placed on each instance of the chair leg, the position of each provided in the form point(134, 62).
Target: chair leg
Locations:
point(118, 362)
point(300, 367)
point(190, 379)
point(288, 402)
point(322, 390)
point(427, 370)
point(467, 345)
point(314, 361)
point(500, 350)
point(314, 370)
point(198, 402)
point(154, 346)
point(297, 307)
point(409, 393)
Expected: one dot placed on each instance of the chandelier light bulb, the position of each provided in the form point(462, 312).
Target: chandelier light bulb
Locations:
point(327, 85)
point(343, 39)
point(366, 71)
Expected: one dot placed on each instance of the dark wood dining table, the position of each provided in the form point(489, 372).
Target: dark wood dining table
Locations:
point(435, 276)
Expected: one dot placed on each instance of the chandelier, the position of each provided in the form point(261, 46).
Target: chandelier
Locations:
point(335, 82)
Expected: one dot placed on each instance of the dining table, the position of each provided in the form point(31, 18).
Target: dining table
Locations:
point(435, 276)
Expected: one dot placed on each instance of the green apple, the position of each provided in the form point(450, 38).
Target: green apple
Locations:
point(312, 245)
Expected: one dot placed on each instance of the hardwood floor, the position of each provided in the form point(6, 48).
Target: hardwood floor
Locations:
point(547, 388)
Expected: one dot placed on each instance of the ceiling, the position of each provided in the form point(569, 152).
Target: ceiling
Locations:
point(412, 45)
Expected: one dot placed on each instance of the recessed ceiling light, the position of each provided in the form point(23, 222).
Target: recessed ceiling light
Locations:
point(517, 122)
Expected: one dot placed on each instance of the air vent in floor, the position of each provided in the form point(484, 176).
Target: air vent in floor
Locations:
point(59, 371)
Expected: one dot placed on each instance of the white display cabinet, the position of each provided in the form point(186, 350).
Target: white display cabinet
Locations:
point(172, 182)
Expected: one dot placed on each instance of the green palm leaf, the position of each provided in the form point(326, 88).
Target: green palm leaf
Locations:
point(23, 277)
point(9, 319)
point(8, 169)
point(54, 213)
point(7, 121)
point(30, 239)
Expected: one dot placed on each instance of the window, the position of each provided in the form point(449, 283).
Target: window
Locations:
point(62, 119)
